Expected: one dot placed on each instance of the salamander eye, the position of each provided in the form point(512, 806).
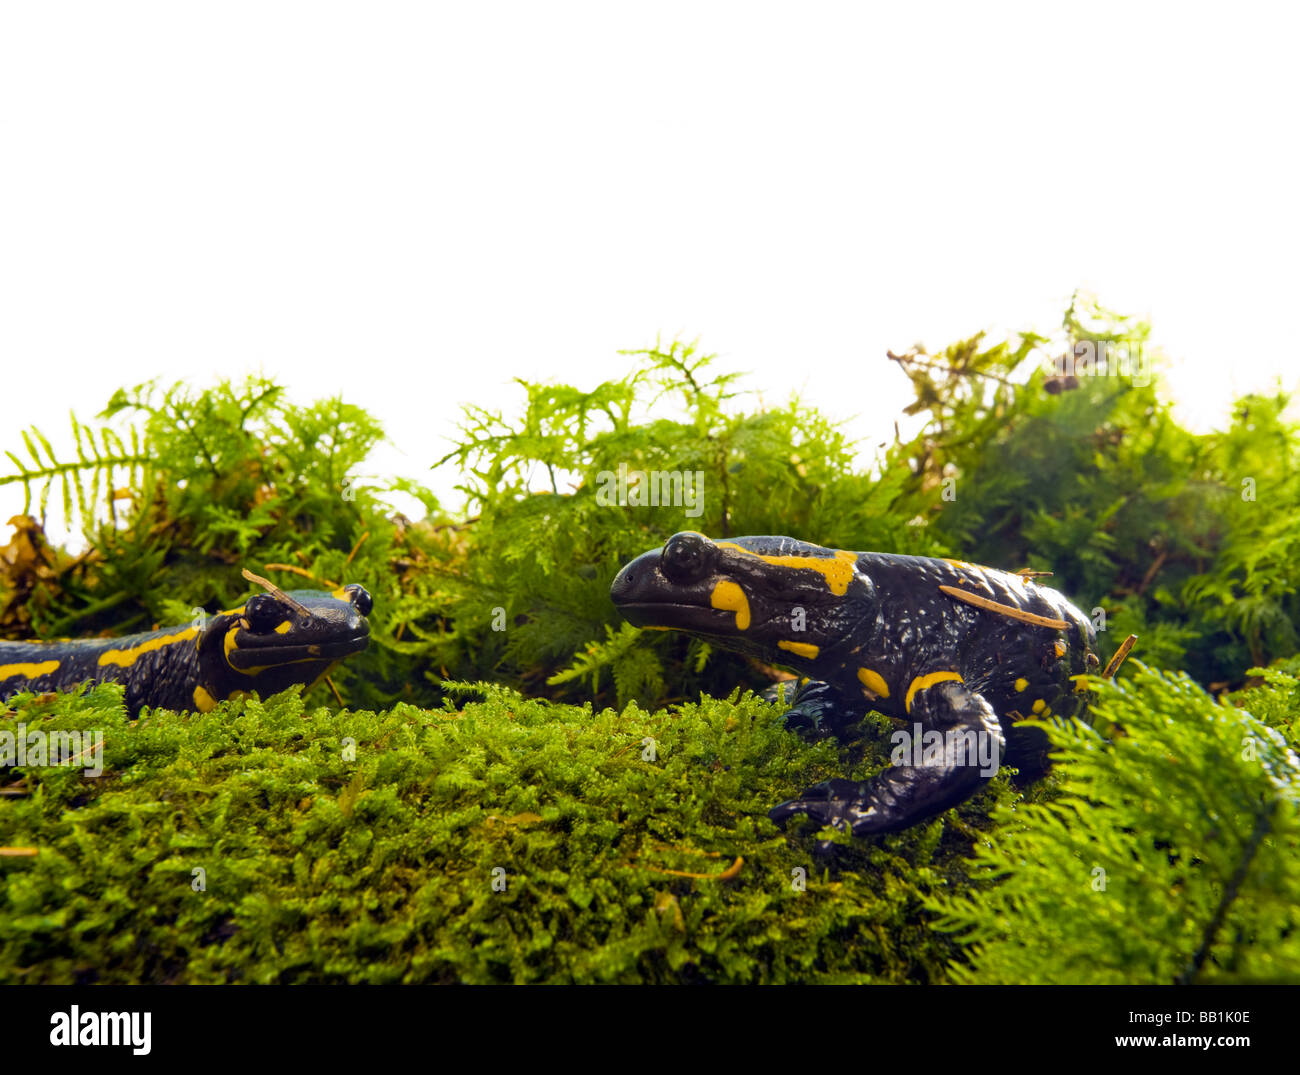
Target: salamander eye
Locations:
point(264, 613)
point(687, 557)
point(359, 597)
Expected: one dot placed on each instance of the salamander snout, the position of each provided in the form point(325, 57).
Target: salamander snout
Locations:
point(625, 584)
point(685, 559)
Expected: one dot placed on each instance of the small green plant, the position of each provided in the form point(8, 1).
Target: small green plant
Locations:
point(1170, 853)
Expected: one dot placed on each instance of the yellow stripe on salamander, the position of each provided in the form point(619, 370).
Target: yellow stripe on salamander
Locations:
point(731, 598)
point(29, 670)
point(838, 569)
point(800, 649)
point(127, 657)
point(228, 644)
point(921, 683)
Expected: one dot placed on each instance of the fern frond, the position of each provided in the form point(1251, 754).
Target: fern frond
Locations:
point(83, 480)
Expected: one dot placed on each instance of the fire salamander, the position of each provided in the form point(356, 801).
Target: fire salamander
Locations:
point(942, 645)
point(269, 643)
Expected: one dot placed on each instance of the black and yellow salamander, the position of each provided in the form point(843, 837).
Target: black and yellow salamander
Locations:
point(943, 646)
point(271, 642)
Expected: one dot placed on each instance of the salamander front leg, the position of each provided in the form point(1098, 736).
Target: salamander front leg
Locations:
point(904, 794)
point(818, 709)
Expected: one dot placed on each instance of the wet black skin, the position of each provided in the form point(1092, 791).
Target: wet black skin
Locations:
point(265, 645)
point(892, 620)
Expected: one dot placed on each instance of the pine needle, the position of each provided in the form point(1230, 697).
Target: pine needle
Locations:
point(1004, 610)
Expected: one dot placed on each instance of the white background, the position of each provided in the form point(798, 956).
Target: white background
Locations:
point(410, 204)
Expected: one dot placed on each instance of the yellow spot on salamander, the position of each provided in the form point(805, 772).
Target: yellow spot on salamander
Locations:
point(731, 598)
point(1060, 648)
point(203, 701)
point(284, 628)
point(127, 657)
point(837, 570)
point(29, 670)
point(1039, 705)
point(921, 683)
point(228, 645)
point(874, 682)
point(1080, 682)
point(1021, 684)
point(341, 594)
point(801, 649)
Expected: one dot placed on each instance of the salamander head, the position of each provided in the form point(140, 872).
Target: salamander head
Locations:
point(269, 643)
point(786, 601)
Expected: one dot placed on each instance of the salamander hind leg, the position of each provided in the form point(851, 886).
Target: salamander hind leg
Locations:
point(926, 778)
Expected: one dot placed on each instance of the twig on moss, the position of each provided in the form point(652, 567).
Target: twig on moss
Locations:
point(729, 874)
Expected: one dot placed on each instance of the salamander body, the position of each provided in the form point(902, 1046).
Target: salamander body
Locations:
point(266, 645)
point(943, 646)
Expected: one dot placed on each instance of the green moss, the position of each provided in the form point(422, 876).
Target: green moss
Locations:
point(381, 869)
point(356, 846)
